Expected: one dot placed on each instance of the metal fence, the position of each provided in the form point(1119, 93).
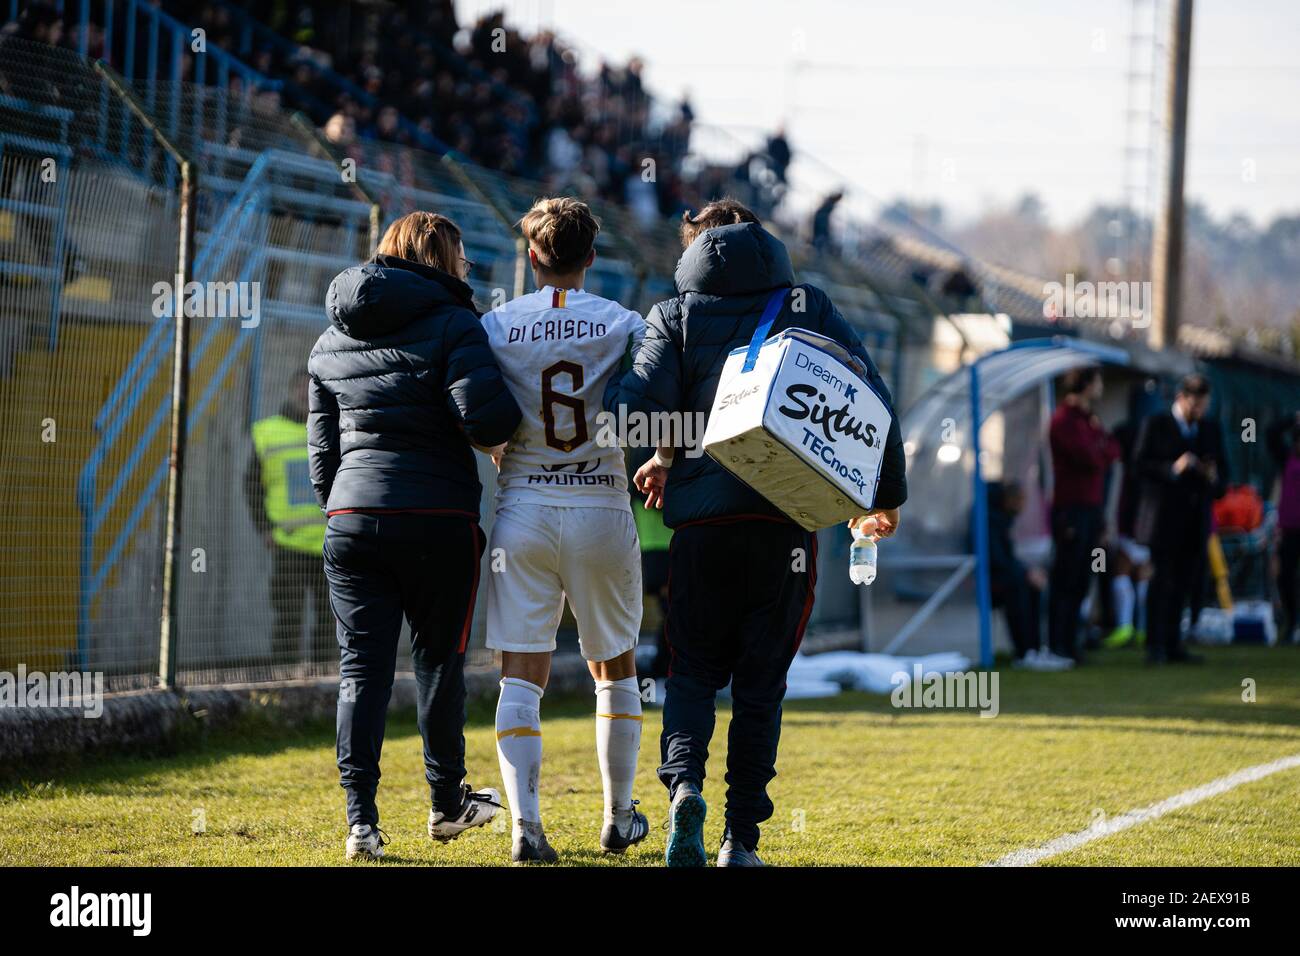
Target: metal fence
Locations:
point(91, 218)
point(79, 236)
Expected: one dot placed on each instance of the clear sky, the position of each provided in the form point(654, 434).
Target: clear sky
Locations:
point(965, 102)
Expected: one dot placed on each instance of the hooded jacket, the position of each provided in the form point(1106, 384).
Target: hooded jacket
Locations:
point(401, 384)
point(723, 281)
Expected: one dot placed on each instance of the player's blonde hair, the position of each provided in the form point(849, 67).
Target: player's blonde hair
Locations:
point(562, 231)
point(426, 238)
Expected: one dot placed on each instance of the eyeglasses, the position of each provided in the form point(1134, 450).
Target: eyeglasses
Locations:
point(467, 264)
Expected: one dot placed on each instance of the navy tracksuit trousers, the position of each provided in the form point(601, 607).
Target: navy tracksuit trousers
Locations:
point(1075, 532)
point(740, 591)
point(381, 568)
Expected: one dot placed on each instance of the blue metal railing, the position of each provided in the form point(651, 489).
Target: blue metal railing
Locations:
point(177, 37)
point(141, 371)
point(242, 226)
point(57, 212)
point(169, 39)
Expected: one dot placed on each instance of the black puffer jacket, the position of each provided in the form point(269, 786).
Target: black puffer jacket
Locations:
point(400, 386)
point(723, 282)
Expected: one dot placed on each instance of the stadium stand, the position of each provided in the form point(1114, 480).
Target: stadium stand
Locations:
point(87, 342)
point(89, 213)
point(409, 74)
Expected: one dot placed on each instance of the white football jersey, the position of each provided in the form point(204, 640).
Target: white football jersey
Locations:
point(557, 349)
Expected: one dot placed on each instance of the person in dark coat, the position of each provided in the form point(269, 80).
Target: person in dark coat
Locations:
point(740, 597)
point(1082, 451)
point(402, 385)
point(1180, 463)
point(821, 221)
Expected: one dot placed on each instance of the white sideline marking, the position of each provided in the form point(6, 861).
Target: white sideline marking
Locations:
point(1113, 825)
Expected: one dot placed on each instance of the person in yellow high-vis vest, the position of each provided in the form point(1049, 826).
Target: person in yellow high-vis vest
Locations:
point(284, 507)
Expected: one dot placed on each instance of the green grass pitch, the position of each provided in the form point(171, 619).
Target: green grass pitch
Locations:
point(859, 782)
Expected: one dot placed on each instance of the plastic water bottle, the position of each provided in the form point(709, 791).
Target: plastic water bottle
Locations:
point(862, 559)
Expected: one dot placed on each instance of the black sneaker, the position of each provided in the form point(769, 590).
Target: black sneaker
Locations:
point(686, 828)
point(530, 845)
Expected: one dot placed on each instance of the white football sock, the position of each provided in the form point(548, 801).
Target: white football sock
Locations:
point(519, 747)
point(618, 740)
point(1141, 615)
point(1122, 587)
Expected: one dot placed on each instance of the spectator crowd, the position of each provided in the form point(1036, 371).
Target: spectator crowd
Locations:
point(408, 72)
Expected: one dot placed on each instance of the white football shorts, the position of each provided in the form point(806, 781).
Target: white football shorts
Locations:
point(540, 554)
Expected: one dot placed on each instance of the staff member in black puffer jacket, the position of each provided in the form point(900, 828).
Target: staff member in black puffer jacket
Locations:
point(401, 386)
point(739, 599)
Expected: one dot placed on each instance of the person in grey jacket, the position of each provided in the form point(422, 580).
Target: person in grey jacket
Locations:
point(402, 384)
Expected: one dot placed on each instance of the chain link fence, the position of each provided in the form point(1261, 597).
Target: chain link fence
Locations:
point(90, 220)
point(83, 368)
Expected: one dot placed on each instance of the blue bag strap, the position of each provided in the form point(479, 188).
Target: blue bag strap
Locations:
point(774, 303)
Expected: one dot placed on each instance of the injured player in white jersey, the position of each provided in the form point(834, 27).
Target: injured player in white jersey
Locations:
point(563, 526)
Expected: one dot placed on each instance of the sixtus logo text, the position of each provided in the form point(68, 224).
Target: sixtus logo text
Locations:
point(834, 422)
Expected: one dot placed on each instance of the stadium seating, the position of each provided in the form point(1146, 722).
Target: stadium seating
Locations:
point(273, 210)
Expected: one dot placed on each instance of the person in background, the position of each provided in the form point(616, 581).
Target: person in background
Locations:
point(739, 603)
point(565, 526)
point(779, 154)
point(403, 383)
point(1179, 461)
point(821, 221)
point(1131, 571)
point(277, 487)
point(1081, 453)
point(1017, 589)
point(1284, 445)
